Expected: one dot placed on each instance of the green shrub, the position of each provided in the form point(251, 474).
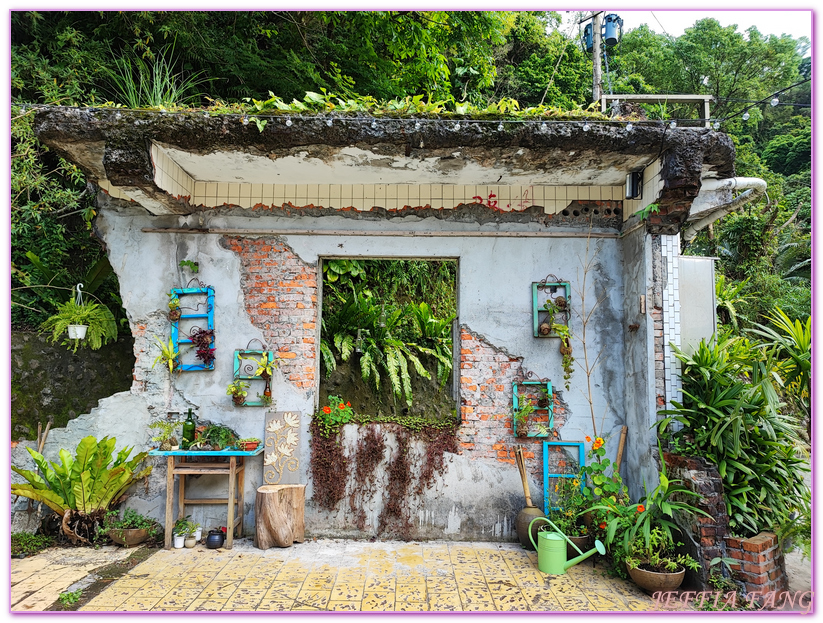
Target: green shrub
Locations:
point(28, 544)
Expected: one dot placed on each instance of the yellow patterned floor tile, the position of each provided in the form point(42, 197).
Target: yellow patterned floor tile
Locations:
point(574, 603)
point(531, 579)
point(383, 602)
point(344, 605)
point(88, 608)
point(510, 602)
point(296, 607)
point(313, 598)
point(638, 605)
point(541, 599)
point(256, 582)
point(321, 578)
point(196, 579)
point(135, 604)
point(156, 589)
point(347, 591)
point(275, 604)
point(411, 592)
point(444, 602)
point(127, 582)
point(476, 599)
point(179, 597)
point(441, 584)
point(202, 605)
point(114, 596)
point(611, 603)
point(220, 589)
point(411, 606)
point(283, 590)
point(377, 583)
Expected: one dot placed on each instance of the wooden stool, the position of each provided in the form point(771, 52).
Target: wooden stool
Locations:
point(278, 515)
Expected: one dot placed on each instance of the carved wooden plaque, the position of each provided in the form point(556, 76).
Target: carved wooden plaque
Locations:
point(281, 448)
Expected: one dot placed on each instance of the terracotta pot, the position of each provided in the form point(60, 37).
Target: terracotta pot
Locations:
point(651, 581)
point(581, 541)
point(128, 536)
point(249, 446)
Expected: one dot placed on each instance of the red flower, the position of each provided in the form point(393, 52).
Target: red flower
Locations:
point(341, 406)
point(640, 508)
point(348, 404)
point(326, 409)
point(602, 525)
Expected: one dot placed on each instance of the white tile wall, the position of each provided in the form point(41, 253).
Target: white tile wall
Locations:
point(671, 317)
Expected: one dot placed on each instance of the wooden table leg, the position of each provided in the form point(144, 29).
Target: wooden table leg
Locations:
point(232, 484)
point(181, 493)
point(240, 485)
point(169, 500)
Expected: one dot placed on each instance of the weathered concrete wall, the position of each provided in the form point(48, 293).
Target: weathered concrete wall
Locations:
point(50, 383)
point(266, 288)
point(640, 342)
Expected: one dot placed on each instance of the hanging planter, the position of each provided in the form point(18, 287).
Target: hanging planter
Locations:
point(77, 331)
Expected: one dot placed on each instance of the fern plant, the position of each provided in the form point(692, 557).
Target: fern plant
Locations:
point(102, 327)
point(81, 489)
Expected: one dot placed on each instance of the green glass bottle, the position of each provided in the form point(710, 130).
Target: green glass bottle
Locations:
point(188, 432)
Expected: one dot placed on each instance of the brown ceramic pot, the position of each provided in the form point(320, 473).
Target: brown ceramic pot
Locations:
point(128, 536)
point(521, 525)
point(651, 581)
point(581, 541)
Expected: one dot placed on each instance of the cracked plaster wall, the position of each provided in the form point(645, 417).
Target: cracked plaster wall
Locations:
point(494, 283)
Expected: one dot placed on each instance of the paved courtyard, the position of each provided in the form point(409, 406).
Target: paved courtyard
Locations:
point(354, 575)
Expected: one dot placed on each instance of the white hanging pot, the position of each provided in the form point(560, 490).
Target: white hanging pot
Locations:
point(77, 331)
point(179, 541)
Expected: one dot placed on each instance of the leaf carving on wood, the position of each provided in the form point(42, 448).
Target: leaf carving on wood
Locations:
point(282, 440)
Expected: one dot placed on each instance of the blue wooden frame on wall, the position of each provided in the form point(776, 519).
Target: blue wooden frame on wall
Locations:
point(550, 408)
point(239, 356)
point(177, 340)
point(581, 461)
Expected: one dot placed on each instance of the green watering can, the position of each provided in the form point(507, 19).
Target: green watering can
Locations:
point(551, 549)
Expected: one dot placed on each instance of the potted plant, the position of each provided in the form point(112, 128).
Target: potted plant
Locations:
point(520, 418)
point(568, 506)
point(237, 391)
point(202, 339)
point(562, 331)
point(165, 436)
point(169, 356)
point(648, 545)
point(90, 324)
point(132, 529)
point(265, 369)
point(174, 308)
point(219, 437)
point(248, 444)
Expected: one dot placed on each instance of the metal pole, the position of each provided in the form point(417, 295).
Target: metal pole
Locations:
point(597, 78)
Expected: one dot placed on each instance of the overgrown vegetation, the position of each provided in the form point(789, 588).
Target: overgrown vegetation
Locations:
point(732, 414)
point(28, 544)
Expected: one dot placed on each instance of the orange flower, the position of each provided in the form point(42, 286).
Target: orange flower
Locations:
point(588, 438)
point(640, 508)
point(341, 406)
point(602, 525)
point(597, 443)
point(348, 404)
point(327, 409)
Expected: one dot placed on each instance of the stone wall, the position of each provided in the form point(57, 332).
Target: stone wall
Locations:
point(762, 567)
point(49, 383)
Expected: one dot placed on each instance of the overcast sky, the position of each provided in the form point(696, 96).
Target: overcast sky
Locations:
point(769, 22)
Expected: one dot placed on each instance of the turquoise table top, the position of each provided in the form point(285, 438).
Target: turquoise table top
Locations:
point(211, 453)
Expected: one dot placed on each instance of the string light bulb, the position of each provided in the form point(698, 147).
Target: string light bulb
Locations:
point(456, 126)
point(543, 127)
point(328, 122)
point(672, 124)
point(586, 126)
point(716, 125)
point(374, 124)
point(774, 102)
point(500, 127)
point(288, 121)
point(629, 126)
point(746, 116)
point(245, 120)
point(416, 125)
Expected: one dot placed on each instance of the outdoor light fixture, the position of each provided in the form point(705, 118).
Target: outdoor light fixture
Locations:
point(673, 124)
point(746, 116)
point(775, 102)
point(629, 126)
point(586, 126)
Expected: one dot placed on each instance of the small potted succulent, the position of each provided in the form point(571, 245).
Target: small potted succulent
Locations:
point(165, 436)
point(248, 444)
point(174, 308)
point(237, 391)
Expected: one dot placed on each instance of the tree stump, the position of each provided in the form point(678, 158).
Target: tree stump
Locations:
point(278, 515)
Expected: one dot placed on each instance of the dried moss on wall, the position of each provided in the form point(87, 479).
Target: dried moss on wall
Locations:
point(49, 383)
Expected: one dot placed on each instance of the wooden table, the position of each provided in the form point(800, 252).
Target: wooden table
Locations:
point(234, 469)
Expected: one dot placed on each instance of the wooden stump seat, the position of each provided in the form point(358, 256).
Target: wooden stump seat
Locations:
point(278, 515)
